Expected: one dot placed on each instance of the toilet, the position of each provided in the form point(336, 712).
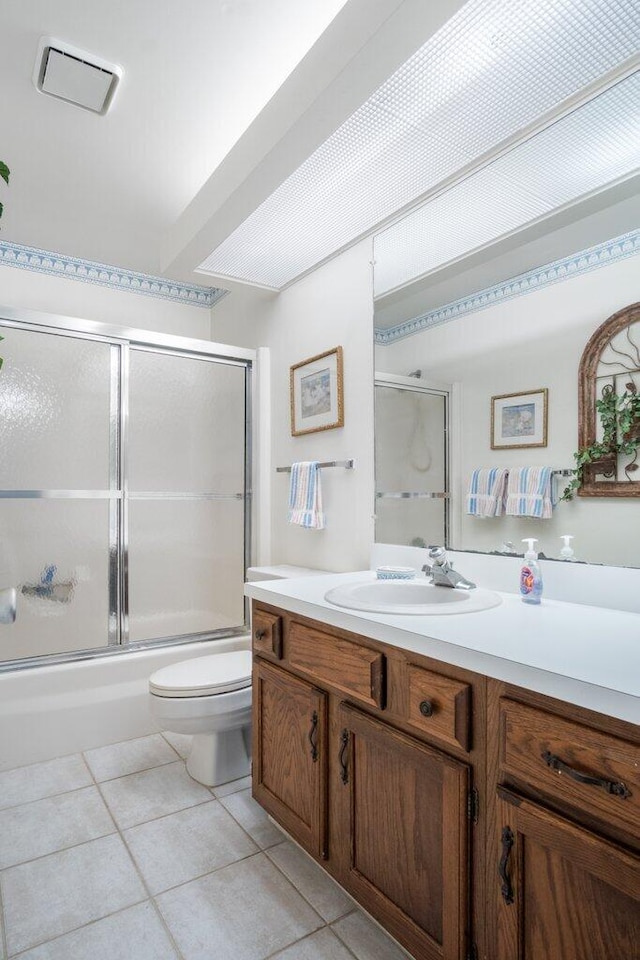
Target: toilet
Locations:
point(210, 698)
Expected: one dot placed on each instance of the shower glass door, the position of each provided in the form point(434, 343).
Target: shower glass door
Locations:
point(123, 493)
point(185, 495)
point(411, 458)
point(59, 491)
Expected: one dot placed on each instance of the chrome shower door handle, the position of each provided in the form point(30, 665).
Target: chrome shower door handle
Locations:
point(8, 601)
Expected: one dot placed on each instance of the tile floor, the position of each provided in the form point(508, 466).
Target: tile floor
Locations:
point(117, 854)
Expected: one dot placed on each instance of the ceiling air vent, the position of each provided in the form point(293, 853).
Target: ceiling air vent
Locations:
point(74, 75)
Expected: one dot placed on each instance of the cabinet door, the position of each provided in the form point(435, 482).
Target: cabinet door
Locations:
point(289, 754)
point(407, 829)
point(563, 892)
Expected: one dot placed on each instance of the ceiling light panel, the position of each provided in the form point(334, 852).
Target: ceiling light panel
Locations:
point(492, 70)
point(595, 145)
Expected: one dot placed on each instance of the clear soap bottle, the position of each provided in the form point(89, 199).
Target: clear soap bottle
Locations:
point(530, 575)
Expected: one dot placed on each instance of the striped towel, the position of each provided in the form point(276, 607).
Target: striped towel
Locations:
point(530, 493)
point(486, 492)
point(305, 496)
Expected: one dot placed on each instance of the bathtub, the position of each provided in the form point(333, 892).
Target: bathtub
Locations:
point(51, 711)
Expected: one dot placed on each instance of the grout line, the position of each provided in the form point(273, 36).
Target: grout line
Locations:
point(3, 925)
point(150, 897)
point(308, 936)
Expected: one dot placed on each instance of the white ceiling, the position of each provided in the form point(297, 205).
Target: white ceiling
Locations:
point(221, 102)
point(196, 74)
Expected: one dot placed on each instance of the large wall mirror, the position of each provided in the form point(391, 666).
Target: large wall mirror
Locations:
point(510, 316)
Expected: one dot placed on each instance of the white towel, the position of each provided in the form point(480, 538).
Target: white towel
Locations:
point(305, 496)
point(485, 496)
point(529, 492)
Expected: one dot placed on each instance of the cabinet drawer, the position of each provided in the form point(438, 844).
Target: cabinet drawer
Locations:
point(267, 633)
point(589, 769)
point(439, 706)
point(347, 666)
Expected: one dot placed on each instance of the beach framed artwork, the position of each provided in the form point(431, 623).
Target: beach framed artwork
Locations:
point(519, 419)
point(316, 387)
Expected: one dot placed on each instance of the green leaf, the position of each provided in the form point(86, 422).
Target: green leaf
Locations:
point(4, 171)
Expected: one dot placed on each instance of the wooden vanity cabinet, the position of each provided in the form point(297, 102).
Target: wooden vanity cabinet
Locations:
point(289, 754)
point(564, 842)
point(379, 787)
point(473, 819)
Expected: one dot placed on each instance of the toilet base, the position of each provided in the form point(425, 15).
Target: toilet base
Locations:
point(218, 758)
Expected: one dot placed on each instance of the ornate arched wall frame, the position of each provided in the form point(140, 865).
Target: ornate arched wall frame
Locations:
point(621, 322)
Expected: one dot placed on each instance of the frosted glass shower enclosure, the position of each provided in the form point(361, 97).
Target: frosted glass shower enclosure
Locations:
point(411, 461)
point(124, 490)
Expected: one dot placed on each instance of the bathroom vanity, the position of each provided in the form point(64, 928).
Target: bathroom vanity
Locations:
point(467, 810)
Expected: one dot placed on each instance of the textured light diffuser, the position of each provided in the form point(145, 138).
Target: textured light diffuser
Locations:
point(493, 69)
point(595, 145)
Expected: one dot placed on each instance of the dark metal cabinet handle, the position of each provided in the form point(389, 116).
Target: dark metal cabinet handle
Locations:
point(613, 787)
point(507, 843)
point(344, 743)
point(259, 634)
point(426, 708)
point(313, 736)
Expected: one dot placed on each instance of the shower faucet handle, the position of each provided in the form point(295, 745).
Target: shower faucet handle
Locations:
point(8, 602)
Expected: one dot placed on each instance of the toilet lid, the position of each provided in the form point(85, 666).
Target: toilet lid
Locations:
point(203, 676)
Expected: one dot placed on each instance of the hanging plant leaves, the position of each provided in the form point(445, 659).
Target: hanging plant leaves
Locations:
point(4, 171)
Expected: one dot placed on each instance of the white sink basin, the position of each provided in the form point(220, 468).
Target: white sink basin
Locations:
point(417, 597)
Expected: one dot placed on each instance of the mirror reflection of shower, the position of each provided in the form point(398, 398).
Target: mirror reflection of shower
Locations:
point(411, 433)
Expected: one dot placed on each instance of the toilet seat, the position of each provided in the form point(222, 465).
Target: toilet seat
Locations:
point(203, 676)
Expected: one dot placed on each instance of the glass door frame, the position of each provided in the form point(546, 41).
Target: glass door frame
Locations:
point(121, 340)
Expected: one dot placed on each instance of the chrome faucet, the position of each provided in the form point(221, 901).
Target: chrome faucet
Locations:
point(442, 573)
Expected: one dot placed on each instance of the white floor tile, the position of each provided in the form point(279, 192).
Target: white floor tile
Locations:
point(130, 756)
point(186, 845)
point(322, 945)
point(58, 893)
point(252, 818)
point(40, 780)
point(366, 939)
point(234, 786)
point(181, 742)
point(246, 911)
point(133, 934)
point(152, 793)
point(311, 881)
point(44, 826)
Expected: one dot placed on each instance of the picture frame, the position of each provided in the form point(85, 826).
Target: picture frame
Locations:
point(316, 389)
point(519, 420)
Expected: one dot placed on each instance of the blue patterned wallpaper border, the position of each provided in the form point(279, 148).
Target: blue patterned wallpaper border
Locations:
point(44, 261)
point(578, 263)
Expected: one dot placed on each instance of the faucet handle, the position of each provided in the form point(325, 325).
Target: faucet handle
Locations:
point(439, 557)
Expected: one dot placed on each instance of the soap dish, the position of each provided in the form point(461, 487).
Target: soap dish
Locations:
point(395, 573)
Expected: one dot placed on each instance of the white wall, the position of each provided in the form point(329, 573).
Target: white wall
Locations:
point(29, 290)
point(332, 306)
point(535, 340)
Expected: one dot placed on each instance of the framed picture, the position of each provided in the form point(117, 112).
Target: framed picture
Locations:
point(519, 419)
point(316, 393)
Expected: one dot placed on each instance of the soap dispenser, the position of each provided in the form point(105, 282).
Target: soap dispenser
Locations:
point(530, 575)
point(567, 551)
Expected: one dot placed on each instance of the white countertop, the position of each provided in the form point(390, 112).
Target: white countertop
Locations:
point(585, 655)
